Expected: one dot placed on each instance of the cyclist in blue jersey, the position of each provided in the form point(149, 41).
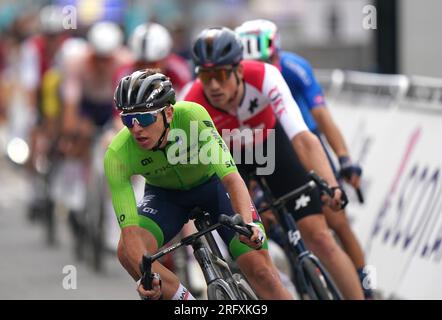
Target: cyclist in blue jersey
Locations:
point(261, 42)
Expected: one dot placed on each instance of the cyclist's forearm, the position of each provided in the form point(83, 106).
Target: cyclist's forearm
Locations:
point(312, 156)
point(239, 195)
point(134, 246)
point(327, 126)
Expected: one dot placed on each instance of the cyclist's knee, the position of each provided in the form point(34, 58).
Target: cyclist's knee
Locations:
point(265, 273)
point(322, 243)
point(258, 265)
point(339, 223)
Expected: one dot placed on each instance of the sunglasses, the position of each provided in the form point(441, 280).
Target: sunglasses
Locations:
point(144, 119)
point(220, 75)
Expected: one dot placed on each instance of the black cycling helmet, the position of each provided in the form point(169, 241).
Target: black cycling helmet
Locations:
point(217, 47)
point(144, 89)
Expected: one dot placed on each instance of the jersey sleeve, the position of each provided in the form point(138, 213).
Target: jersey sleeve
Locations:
point(123, 198)
point(213, 149)
point(301, 74)
point(284, 106)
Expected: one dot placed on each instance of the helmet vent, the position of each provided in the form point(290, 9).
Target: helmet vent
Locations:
point(227, 49)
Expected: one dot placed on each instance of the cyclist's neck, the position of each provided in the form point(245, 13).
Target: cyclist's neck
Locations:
point(234, 102)
point(165, 141)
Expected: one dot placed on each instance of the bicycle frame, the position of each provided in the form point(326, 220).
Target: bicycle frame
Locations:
point(297, 251)
point(215, 269)
point(214, 257)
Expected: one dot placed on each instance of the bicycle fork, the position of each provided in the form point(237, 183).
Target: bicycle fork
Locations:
point(300, 252)
point(214, 268)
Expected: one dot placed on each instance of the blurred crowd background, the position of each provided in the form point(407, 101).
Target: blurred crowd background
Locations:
point(329, 32)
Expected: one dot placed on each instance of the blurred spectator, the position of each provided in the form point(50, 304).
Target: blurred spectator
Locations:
point(38, 53)
point(151, 44)
point(88, 89)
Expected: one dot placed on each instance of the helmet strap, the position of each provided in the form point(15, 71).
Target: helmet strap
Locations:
point(163, 135)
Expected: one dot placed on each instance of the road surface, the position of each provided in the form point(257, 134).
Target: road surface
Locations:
point(31, 270)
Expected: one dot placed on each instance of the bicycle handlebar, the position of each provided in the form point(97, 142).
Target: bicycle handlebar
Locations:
point(315, 181)
point(325, 188)
point(360, 195)
point(293, 194)
point(236, 223)
point(321, 184)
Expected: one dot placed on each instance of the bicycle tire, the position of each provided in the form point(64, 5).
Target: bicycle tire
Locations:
point(98, 247)
point(50, 223)
point(311, 274)
point(220, 290)
point(244, 288)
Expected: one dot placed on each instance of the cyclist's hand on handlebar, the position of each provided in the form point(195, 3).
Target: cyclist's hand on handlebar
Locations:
point(153, 294)
point(334, 197)
point(256, 240)
point(350, 172)
point(338, 201)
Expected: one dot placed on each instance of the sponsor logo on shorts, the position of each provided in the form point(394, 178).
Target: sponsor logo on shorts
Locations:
point(302, 202)
point(149, 210)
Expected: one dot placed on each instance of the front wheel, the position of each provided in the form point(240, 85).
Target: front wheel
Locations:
point(244, 288)
point(220, 290)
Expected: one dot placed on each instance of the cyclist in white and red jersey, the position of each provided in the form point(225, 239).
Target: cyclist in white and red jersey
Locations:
point(250, 94)
point(261, 42)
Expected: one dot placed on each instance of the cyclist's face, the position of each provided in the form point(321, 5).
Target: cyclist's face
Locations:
point(147, 137)
point(220, 84)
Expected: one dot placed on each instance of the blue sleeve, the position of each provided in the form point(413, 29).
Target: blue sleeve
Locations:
point(299, 75)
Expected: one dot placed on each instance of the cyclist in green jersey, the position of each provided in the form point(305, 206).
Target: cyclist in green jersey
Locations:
point(185, 162)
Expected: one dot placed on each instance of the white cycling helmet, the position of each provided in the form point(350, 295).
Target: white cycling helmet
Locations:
point(51, 19)
point(260, 39)
point(72, 48)
point(150, 42)
point(105, 37)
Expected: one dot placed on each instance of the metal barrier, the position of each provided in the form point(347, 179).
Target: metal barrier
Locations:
point(392, 124)
point(424, 93)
